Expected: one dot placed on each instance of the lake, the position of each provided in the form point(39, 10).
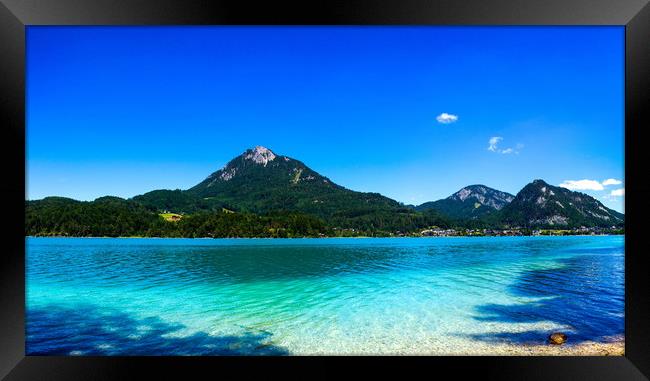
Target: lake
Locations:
point(132, 296)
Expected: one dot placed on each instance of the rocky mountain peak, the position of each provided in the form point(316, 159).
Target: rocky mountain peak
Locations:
point(259, 155)
point(462, 194)
point(484, 195)
point(541, 204)
point(469, 191)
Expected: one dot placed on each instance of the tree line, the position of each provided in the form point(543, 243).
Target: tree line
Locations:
point(116, 217)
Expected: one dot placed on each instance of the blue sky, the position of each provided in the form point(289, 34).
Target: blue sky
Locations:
point(414, 113)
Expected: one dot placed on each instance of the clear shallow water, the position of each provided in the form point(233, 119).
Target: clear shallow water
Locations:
point(103, 296)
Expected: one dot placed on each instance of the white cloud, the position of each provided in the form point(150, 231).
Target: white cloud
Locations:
point(494, 146)
point(445, 118)
point(493, 143)
point(582, 185)
point(612, 182)
point(618, 192)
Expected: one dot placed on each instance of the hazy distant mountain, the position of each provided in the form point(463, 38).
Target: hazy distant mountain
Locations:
point(541, 204)
point(471, 202)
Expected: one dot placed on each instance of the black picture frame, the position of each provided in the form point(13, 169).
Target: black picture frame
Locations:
point(15, 15)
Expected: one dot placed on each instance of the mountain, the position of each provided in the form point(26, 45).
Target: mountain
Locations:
point(262, 194)
point(539, 204)
point(471, 202)
point(261, 182)
point(256, 194)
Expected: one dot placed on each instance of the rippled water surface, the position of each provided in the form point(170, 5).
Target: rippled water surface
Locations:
point(102, 296)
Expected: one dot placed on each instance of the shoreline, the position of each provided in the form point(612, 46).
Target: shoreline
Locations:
point(584, 349)
point(615, 347)
point(428, 237)
point(587, 348)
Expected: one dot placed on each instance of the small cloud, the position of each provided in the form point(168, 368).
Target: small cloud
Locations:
point(618, 192)
point(493, 143)
point(612, 182)
point(582, 185)
point(494, 146)
point(445, 118)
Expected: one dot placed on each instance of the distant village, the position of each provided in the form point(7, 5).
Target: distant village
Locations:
point(462, 232)
point(518, 231)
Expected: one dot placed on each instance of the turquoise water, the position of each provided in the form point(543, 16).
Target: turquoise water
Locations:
point(104, 296)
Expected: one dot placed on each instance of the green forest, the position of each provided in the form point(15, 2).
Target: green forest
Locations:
point(116, 217)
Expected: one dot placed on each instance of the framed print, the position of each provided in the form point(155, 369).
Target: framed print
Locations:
point(198, 186)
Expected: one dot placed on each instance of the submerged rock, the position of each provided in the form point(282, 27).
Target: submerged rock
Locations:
point(557, 338)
